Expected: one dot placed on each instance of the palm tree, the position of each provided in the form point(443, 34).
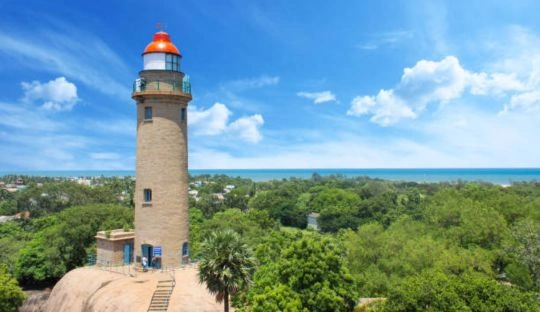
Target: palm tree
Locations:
point(226, 266)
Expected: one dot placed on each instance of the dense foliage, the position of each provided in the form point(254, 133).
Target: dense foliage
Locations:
point(302, 273)
point(41, 250)
point(438, 246)
point(11, 295)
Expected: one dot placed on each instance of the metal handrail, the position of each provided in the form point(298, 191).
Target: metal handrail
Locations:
point(112, 266)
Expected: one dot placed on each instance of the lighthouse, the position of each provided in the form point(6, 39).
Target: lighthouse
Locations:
point(161, 92)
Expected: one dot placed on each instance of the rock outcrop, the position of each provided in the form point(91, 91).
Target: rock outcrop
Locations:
point(94, 290)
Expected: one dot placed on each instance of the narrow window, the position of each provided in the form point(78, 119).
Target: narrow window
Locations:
point(168, 61)
point(148, 113)
point(185, 249)
point(147, 195)
point(183, 114)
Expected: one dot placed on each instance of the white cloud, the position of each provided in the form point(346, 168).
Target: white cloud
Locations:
point(390, 38)
point(34, 139)
point(436, 82)
point(18, 117)
point(215, 121)
point(430, 81)
point(247, 128)
point(57, 95)
point(528, 102)
point(251, 83)
point(212, 121)
point(105, 156)
point(385, 108)
point(461, 137)
point(318, 97)
point(90, 61)
point(495, 83)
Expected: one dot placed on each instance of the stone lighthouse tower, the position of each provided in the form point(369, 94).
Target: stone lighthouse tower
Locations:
point(162, 93)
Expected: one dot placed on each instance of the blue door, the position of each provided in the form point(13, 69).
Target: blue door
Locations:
point(127, 253)
point(147, 252)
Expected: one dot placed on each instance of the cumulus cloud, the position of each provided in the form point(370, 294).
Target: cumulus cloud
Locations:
point(318, 97)
point(434, 82)
point(215, 121)
point(385, 108)
point(57, 95)
point(247, 128)
point(211, 121)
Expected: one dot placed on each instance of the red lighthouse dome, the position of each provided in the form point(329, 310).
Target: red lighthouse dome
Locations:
point(161, 44)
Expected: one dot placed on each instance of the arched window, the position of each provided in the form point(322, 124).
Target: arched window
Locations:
point(185, 249)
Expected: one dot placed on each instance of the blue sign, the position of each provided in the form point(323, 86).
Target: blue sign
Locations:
point(157, 251)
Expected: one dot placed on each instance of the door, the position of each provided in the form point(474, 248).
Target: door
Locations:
point(127, 253)
point(147, 252)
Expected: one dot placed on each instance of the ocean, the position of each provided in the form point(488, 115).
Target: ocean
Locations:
point(502, 176)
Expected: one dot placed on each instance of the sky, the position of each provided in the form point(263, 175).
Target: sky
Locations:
point(277, 84)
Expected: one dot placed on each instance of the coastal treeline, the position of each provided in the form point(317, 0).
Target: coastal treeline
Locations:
point(400, 246)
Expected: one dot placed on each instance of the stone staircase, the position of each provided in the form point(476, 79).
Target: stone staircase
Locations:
point(162, 295)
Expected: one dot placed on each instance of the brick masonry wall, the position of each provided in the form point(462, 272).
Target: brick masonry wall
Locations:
point(161, 166)
point(110, 252)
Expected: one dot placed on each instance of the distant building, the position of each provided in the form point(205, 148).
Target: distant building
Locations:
point(312, 219)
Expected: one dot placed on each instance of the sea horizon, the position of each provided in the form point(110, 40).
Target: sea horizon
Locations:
point(502, 176)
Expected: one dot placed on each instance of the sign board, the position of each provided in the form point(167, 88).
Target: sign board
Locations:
point(157, 251)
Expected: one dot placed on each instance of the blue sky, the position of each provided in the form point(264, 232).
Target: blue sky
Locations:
point(277, 84)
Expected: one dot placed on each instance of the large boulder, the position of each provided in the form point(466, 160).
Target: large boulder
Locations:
point(93, 290)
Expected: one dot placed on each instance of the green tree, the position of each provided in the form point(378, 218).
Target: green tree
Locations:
point(226, 266)
point(526, 247)
point(434, 290)
point(281, 203)
point(311, 270)
point(13, 237)
point(62, 243)
point(11, 295)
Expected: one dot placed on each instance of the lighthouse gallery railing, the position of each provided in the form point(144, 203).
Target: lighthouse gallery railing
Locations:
point(141, 85)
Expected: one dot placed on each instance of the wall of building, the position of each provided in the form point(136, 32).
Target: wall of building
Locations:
point(111, 252)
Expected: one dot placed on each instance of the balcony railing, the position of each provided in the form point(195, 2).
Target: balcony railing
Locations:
point(141, 85)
